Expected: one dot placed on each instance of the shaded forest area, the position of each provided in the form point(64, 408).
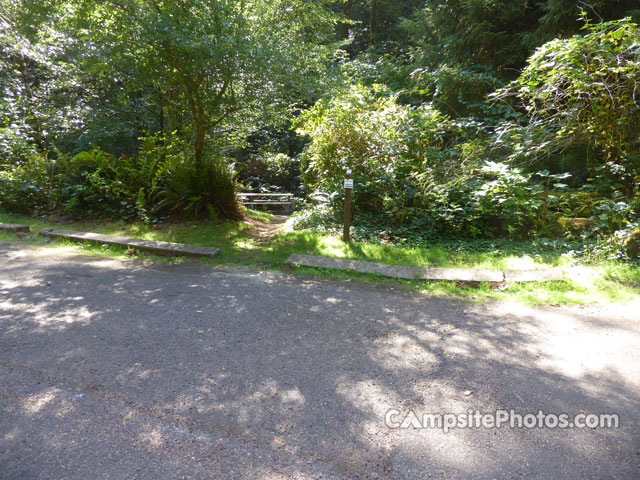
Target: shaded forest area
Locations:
point(460, 118)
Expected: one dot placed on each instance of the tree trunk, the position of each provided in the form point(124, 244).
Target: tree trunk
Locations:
point(344, 34)
point(199, 145)
point(372, 22)
point(199, 120)
point(36, 125)
point(161, 121)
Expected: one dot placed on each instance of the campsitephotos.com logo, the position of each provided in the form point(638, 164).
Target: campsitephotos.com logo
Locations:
point(395, 419)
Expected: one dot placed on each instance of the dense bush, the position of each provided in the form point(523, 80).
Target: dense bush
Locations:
point(586, 87)
point(15, 147)
point(207, 191)
point(160, 180)
point(28, 186)
point(95, 183)
point(419, 172)
point(459, 91)
point(357, 129)
point(416, 168)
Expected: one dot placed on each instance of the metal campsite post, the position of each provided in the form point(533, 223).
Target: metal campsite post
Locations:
point(348, 189)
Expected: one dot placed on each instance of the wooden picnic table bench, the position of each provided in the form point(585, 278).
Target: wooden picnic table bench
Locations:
point(266, 199)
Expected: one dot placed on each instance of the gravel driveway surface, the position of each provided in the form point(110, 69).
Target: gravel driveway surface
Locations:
point(121, 370)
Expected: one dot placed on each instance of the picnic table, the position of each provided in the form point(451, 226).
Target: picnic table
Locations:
point(253, 199)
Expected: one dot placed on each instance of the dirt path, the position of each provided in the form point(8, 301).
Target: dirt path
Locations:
point(261, 231)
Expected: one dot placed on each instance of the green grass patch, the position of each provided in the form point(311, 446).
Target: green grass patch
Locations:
point(258, 215)
point(7, 237)
point(240, 245)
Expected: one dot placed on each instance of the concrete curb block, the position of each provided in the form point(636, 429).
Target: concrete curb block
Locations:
point(411, 273)
point(407, 273)
point(14, 228)
point(551, 275)
point(462, 275)
point(158, 248)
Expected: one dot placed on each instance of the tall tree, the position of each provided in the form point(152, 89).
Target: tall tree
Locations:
point(211, 63)
point(36, 77)
point(500, 34)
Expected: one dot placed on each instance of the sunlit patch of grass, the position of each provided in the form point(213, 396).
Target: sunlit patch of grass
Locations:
point(112, 251)
point(7, 237)
point(265, 217)
point(36, 224)
point(624, 274)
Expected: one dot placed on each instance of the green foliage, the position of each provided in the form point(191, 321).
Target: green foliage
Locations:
point(458, 91)
point(15, 147)
point(27, 187)
point(499, 34)
point(586, 86)
point(403, 104)
point(584, 89)
point(578, 204)
point(159, 180)
point(38, 80)
point(460, 51)
point(491, 201)
point(206, 192)
point(75, 74)
point(358, 130)
point(95, 183)
point(379, 66)
point(458, 32)
point(415, 171)
point(563, 16)
point(211, 68)
point(271, 172)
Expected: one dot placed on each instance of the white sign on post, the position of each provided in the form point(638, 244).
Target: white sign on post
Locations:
point(348, 183)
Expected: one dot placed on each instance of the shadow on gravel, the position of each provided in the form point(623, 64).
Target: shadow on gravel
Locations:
point(108, 368)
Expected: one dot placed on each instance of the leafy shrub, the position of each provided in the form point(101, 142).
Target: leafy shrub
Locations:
point(316, 217)
point(613, 214)
point(415, 169)
point(578, 204)
point(459, 91)
point(491, 201)
point(208, 191)
point(357, 130)
point(96, 183)
point(381, 141)
point(28, 187)
point(14, 146)
point(585, 87)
